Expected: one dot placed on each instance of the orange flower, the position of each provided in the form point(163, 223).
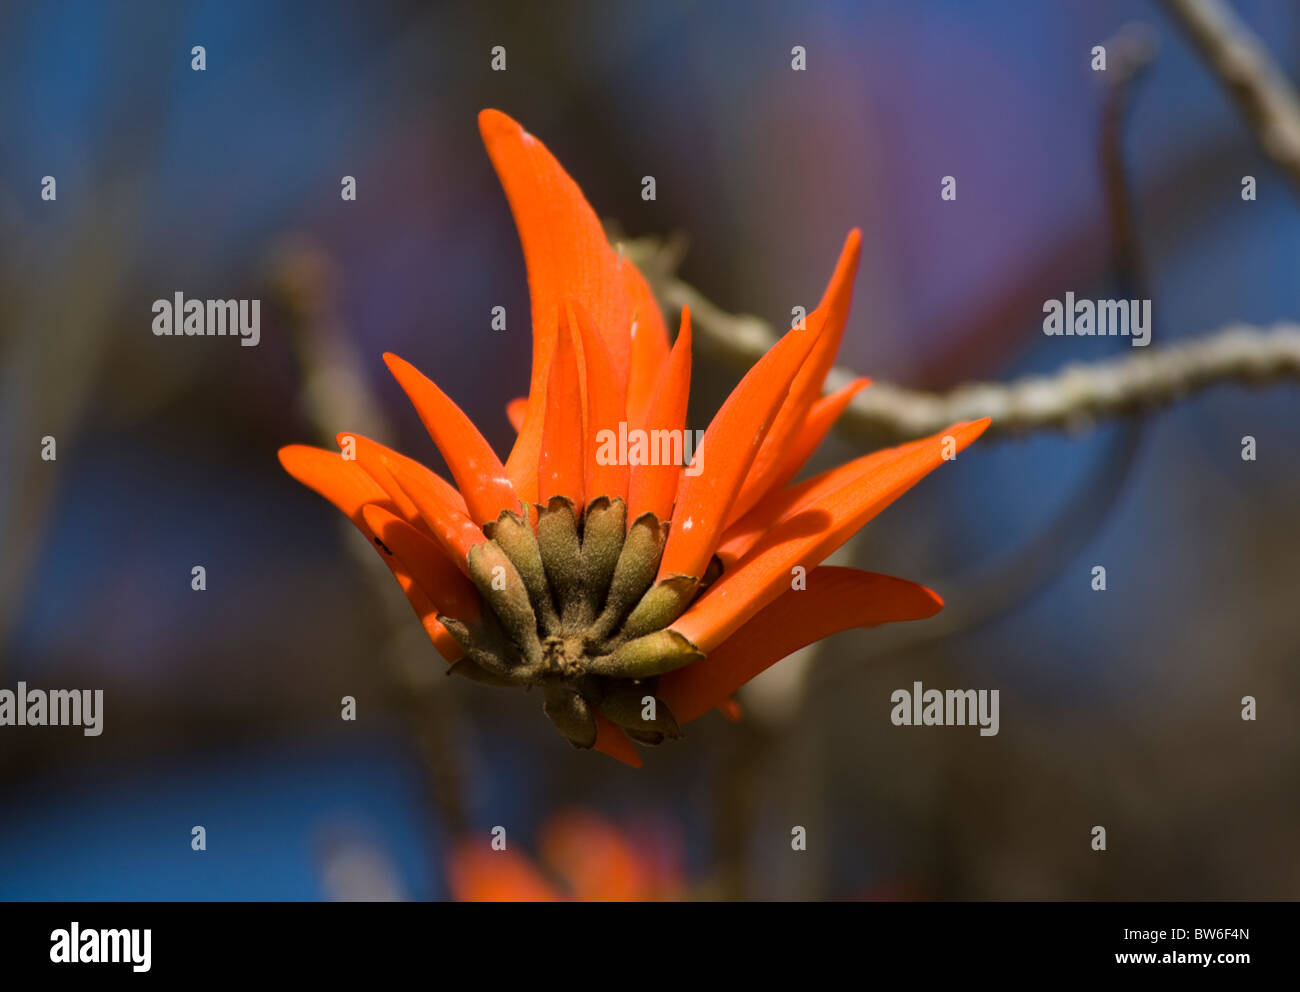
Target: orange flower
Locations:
point(636, 592)
point(586, 858)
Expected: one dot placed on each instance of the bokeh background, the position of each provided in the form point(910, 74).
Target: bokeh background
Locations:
point(1120, 709)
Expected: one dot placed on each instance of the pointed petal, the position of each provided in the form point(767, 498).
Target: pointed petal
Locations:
point(451, 593)
point(649, 343)
point(831, 314)
point(741, 536)
point(424, 609)
point(567, 256)
point(811, 521)
point(475, 873)
point(515, 411)
point(455, 531)
point(343, 483)
point(828, 322)
point(773, 469)
point(560, 468)
point(653, 488)
point(371, 456)
point(431, 581)
point(606, 409)
point(479, 474)
point(348, 486)
point(836, 599)
point(612, 741)
point(726, 453)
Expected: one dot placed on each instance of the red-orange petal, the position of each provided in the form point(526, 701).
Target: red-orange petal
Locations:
point(832, 313)
point(431, 581)
point(567, 256)
point(515, 411)
point(778, 469)
point(653, 488)
point(348, 486)
point(811, 521)
point(611, 740)
point(726, 453)
point(560, 468)
point(649, 344)
point(372, 456)
point(427, 563)
point(478, 472)
point(455, 531)
point(835, 599)
point(423, 607)
point(606, 410)
point(828, 322)
point(343, 483)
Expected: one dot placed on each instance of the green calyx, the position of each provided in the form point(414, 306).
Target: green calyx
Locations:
point(573, 607)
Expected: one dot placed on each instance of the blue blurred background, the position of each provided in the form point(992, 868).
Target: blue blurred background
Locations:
point(1121, 709)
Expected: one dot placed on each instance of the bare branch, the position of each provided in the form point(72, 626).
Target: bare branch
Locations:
point(1242, 64)
point(1080, 395)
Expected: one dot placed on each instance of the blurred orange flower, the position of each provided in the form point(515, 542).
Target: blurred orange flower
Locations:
point(636, 591)
point(583, 857)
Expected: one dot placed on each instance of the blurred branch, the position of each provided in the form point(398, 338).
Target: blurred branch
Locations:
point(335, 392)
point(1077, 396)
point(1254, 81)
point(1132, 50)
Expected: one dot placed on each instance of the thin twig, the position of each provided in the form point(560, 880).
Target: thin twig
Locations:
point(1080, 395)
point(1243, 65)
point(300, 275)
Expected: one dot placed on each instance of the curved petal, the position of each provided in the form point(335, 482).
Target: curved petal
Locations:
point(515, 411)
point(811, 521)
point(828, 321)
point(427, 563)
point(424, 609)
point(560, 467)
point(344, 483)
point(454, 530)
point(835, 599)
point(651, 487)
point(830, 317)
point(372, 456)
point(479, 474)
point(725, 454)
point(649, 343)
point(606, 409)
point(780, 467)
point(611, 740)
point(567, 256)
point(432, 583)
point(352, 490)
